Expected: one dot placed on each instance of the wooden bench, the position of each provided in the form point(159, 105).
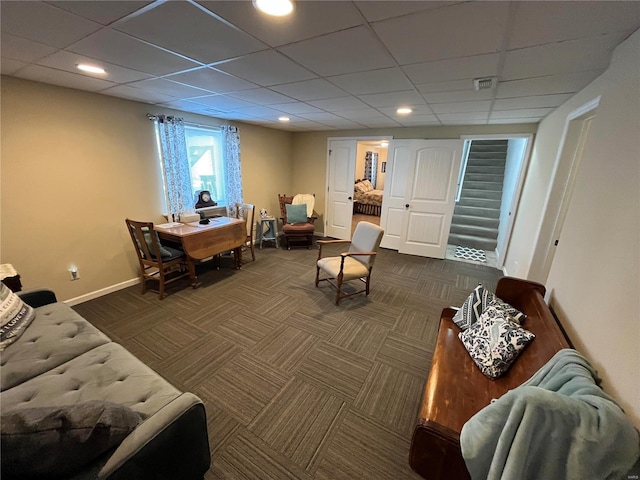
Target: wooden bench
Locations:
point(456, 389)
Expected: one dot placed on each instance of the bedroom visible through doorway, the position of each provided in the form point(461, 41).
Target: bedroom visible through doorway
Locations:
point(371, 160)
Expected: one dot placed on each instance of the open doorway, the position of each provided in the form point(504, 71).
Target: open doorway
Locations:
point(489, 186)
point(370, 170)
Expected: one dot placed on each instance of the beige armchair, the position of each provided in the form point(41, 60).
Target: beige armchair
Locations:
point(356, 263)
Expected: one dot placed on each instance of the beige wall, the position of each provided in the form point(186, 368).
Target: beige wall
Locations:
point(310, 151)
point(76, 164)
point(594, 280)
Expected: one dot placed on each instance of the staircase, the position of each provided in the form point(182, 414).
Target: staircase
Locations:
point(477, 213)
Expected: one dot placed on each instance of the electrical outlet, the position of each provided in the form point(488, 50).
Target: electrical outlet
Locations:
point(74, 274)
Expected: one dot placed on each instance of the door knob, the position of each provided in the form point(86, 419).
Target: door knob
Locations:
point(348, 198)
point(406, 205)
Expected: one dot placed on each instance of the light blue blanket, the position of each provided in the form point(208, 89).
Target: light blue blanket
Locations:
point(559, 424)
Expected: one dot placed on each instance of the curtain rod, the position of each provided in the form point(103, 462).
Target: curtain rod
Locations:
point(154, 117)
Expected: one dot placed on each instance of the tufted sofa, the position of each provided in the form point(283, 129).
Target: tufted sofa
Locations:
point(61, 359)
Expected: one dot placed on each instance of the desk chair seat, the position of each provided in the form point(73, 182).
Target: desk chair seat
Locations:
point(157, 262)
point(356, 263)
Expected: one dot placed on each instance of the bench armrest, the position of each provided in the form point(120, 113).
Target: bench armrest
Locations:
point(38, 297)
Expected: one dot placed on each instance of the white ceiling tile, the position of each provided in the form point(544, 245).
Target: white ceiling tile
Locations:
point(522, 113)
point(120, 49)
point(68, 62)
point(211, 80)
point(407, 98)
point(168, 87)
point(338, 104)
point(462, 107)
point(185, 105)
point(137, 94)
point(295, 108)
point(565, 83)
point(449, 86)
point(374, 81)
point(222, 102)
point(550, 22)
point(347, 51)
point(46, 24)
point(379, 122)
point(458, 96)
point(309, 20)
point(537, 101)
point(65, 79)
point(182, 27)
point(316, 89)
point(266, 68)
point(566, 57)
point(454, 69)
point(9, 66)
point(445, 118)
point(464, 121)
point(24, 50)
point(261, 96)
point(418, 120)
point(101, 11)
point(375, 11)
point(345, 124)
point(460, 30)
point(260, 112)
point(361, 114)
point(320, 117)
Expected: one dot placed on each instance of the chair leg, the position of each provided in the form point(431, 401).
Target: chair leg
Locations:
point(367, 283)
point(338, 288)
point(144, 284)
point(253, 253)
point(161, 286)
point(317, 276)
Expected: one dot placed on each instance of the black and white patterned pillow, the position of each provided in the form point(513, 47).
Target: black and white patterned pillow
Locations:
point(477, 302)
point(494, 341)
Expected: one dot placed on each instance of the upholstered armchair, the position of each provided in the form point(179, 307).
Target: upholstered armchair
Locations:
point(354, 264)
point(297, 219)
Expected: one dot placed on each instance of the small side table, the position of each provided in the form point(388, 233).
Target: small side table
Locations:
point(271, 233)
point(10, 277)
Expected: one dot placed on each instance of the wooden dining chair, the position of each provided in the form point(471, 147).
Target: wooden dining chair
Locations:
point(157, 262)
point(247, 212)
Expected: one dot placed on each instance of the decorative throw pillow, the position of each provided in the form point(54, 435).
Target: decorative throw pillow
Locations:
point(368, 186)
point(15, 316)
point(477, 302)
point(52, 442)
point(360, 187)
point(494, 341)
point(297, 213)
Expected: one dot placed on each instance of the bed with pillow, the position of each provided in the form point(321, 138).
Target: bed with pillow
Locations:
point(477, 418)
point(367, 200)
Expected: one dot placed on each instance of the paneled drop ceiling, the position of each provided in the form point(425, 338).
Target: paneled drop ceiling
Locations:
point(331, 65)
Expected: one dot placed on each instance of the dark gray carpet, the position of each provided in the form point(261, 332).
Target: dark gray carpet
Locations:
point(295, 387)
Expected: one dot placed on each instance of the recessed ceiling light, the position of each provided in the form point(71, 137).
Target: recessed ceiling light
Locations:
point(403, 111)
point(91, 69)
point(384, 144)
point(284, 119)
point(277, 8)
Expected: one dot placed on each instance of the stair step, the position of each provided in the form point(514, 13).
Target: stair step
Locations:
point(488, 169)
point(475, 230)
point(475, 220)
point(473, 185)
point(474, 211)
point(483, 177)
point(479, 202)
point(473, 242)
point(498, 156)
point(481, 194)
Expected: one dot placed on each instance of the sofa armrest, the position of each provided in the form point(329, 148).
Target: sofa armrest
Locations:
point(151, 451)
point(38, 297)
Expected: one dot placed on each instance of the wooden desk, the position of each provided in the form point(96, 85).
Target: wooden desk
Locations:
point(204, 241)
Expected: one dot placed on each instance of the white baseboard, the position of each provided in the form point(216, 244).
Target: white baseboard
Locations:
point(103, 291)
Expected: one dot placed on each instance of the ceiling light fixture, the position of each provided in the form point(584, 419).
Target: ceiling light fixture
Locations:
point(277, 8)
point(284, 119)
point(384, 144)
point(91, 68)
point(403, 111)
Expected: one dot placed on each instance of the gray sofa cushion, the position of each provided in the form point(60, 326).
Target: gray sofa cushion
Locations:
point(55, 336)
point(108, 373)
point(53, 442)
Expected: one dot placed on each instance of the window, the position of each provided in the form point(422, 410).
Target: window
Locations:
point(204, 152)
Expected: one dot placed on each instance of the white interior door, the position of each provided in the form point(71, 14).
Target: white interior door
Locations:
point(341, 168)
point(419, 223)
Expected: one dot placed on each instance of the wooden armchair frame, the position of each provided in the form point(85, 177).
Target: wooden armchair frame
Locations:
point(298, 231)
